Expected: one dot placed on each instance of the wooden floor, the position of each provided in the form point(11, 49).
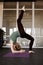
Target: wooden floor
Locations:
point(33, 59)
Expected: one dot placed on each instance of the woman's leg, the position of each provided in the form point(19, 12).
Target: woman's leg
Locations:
point(22, 32)
point(29, 37)
point(20, 26)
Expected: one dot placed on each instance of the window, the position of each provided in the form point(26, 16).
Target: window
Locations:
point(32, 19)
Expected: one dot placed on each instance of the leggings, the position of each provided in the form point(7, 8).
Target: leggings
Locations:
point(23, 34)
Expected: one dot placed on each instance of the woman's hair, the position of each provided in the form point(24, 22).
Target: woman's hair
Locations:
point(17, 47)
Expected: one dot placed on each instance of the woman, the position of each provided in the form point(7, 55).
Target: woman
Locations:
point(21, 33)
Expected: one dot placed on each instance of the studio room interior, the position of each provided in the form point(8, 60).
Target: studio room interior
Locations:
point(32, 22)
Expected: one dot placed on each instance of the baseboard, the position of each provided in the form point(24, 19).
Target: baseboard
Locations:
point(22, 47)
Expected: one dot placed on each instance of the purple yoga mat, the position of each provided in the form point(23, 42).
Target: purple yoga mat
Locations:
point(10, 54)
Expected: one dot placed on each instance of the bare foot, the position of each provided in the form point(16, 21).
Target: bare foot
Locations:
point(23, 8)
point(31, 51)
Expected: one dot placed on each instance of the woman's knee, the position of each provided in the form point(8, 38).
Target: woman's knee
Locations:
point(32, 39)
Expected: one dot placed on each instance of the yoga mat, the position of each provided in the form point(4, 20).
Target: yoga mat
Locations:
point(10, 54)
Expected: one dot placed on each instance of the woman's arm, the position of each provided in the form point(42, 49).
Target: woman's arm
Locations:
point(11, 45)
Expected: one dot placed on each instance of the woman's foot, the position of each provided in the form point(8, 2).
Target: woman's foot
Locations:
point(30, 51)
point(23, 8)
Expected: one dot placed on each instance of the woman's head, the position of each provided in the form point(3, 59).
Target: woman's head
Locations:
point(17, 47)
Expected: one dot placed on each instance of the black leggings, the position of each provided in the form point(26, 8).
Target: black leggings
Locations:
point(23, 34)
